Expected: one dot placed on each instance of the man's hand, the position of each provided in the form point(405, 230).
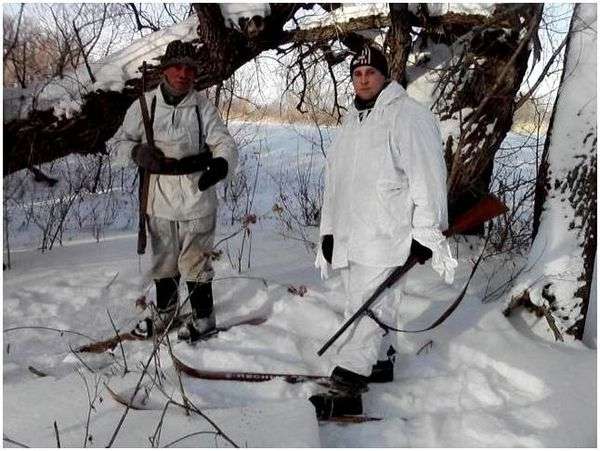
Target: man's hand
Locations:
point(154, 161)
point(437, 248)
point(327, 247)
point(421, 252)
point(216, 170)
point(151, 158)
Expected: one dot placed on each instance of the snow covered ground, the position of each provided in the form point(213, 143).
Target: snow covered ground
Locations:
point(479, 380)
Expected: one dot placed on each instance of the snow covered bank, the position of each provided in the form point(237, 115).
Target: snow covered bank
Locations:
point(478, 380)
point(289, 424)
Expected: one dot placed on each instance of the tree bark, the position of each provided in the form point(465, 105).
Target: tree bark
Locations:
point(399, 41)
point(473, 91)
point(42, 137)
point(565, 201)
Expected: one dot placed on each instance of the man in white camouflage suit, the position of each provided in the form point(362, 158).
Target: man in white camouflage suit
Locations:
point(192, 151)
point(385, 197)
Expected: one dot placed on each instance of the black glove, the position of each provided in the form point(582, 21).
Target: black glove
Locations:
point(327, 247)
point(216, 169)
point(188, 165)
point(153, 160)
point(150, 158)
point(421, 252)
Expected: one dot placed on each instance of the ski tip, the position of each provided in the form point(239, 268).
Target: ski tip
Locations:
point(350, 419)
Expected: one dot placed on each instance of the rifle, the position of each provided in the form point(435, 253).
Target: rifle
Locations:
point(144, 176)
point(487, 208)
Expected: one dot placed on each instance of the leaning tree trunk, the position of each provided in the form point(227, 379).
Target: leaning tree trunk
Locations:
point(480, 63)
point(484, 76)
point(42, 137)
point(558, 277)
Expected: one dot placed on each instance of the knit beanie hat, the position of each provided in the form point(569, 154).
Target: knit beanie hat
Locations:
point(370, 56)
point(179, 53)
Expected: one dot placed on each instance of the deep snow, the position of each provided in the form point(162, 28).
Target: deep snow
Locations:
point(480, 379)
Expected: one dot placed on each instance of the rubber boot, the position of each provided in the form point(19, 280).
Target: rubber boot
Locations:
point(344, 396)
point(203, 315)
point(383, 370)
point(166, 308)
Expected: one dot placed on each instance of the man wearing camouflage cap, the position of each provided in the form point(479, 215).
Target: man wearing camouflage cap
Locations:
point(192, 152)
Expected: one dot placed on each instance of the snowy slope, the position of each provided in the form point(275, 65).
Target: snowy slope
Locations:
point(483, 380)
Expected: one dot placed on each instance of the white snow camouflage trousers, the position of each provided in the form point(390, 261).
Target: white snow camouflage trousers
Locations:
point(182, 247)
point(363, 343)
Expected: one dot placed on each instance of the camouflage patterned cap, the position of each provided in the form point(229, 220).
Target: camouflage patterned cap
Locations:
point(179, 52)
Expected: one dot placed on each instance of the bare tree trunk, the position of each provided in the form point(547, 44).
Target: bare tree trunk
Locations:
point(497, 47)
point(473, 81)
point(561, 260)
point(399, 41)
point(43, 138)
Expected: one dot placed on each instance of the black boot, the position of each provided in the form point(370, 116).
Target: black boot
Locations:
point(348, 382)
point(166, 293)
point(203, 315)
point(383, 370)
point(327, 405)
point(344, 397)
point(166, 308)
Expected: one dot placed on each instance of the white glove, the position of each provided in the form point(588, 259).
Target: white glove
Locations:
point(321, 264)
point(442, 261)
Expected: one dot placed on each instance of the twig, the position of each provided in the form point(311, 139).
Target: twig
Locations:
point(228, 237)
point(557, 335)
point(112, 323)
point(543, 75)
point(193, 434)
point(155, 439)
point(81, 360)
point(9, 49)
point(39, 176)
point(90, 405)
point(213, 424)
point(61, 331)
point(426, 347)
point(57, 435)
point(36, 371)
point(13, 442)
point(180, 383)
point(135, 391)
point(112, 280)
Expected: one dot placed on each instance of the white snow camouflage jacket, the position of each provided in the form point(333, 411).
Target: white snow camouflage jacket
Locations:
point(176, 133)
point(385, 183)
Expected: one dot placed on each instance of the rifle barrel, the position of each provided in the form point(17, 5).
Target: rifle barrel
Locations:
point(489, 207)
point(396, 274)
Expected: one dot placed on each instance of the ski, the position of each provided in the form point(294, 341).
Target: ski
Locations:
point(247, 376)
point(352, 419)
point(142, 402)
point(109, 344)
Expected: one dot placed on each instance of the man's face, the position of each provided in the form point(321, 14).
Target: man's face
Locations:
point(180, 77)
point(367, 82)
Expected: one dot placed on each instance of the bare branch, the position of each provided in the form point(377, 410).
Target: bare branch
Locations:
point(13, 442)
point(112, 323)
point(57, 435)
point(8, 52)
point(521, 101)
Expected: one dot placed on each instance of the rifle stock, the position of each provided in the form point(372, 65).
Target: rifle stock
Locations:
point(489, 207)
